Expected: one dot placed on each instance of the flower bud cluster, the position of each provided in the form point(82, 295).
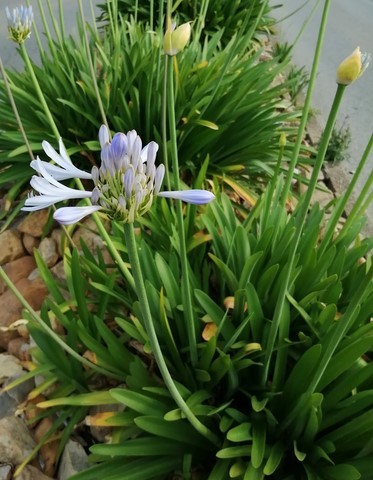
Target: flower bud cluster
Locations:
point(127, 179)
point(19, 23)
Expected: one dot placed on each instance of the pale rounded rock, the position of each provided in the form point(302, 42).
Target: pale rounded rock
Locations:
point(11, 246)
point(48, 251)
point(34, 223)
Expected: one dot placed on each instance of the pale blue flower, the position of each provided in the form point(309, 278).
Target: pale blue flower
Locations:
point(124, 184)
point(19, 23)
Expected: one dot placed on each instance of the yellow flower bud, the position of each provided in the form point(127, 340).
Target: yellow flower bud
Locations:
point(282, 141)
point(352, 67)
point(176, 39)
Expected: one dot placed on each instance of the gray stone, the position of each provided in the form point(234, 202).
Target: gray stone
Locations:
point(74, 460)
point(9, 367)
point(5, 472)
point(16, 442)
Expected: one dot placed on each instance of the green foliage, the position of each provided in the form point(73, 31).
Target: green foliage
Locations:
point(308, 418)
point(221, 93)
point(217, 15)
point(281, 383)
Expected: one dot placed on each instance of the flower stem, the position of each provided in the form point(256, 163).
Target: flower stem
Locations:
point(185, 283)
point(150, 329)
point(301, 214)
point(307, 104)
point(14, 108)
point(105, 235)
point(91, 67)
point(39, 93)
point(300, 218)
point(164, 123)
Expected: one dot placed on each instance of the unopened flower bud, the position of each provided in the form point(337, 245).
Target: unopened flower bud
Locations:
point(19, 23)
point(282, 141)
point(175, 40)
point(352, 67)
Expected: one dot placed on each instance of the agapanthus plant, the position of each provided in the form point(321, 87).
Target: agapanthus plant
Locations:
point(124, 185)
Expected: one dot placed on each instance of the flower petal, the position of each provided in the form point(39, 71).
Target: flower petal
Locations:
point(197, 197)
point(38, 202)
point(70, 215)
point(60, 173)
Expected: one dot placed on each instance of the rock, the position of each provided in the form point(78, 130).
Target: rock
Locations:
point(19, 347)
point(11, 309)
point(49, 450)
point(9, 367)
point(96, 413)
point(322, 197)
point(30, 242)
point(59, 271)
point(32, 473)
point(48, 251)
point(34, 223)
point(16, 442)
point(74, 460)
point(17, 269)
point(59, 237)
point(7, 408)
point(11, 246)
point(91, 239)
point(5, 472)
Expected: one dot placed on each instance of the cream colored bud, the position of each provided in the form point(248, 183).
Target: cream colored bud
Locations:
point(282, 141)
point(175, 40)
point(352, 67)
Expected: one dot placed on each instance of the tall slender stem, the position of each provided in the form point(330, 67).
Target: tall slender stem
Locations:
point(39, 93)
point(150, 329)
point(91, 66)
point(15, 109)
point(307, 104)
point(300, 220)
point(187, 298)
point(164, 124)
point(113, 251)
point(280, 305)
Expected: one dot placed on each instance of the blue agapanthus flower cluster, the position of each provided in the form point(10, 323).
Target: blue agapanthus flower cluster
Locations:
point(123, 186)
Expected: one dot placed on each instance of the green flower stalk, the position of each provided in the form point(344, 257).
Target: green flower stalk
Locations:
point(19, 23)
